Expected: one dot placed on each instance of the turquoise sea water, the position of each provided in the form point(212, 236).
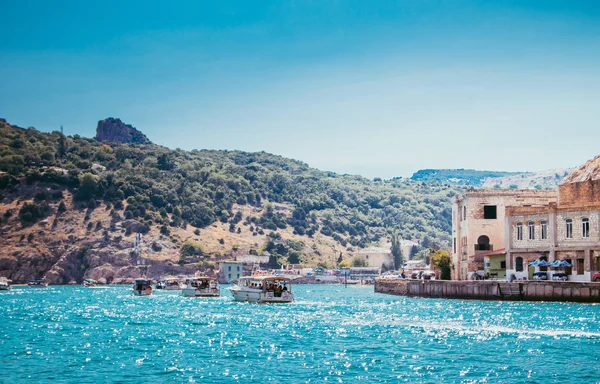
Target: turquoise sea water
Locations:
point(330, 334)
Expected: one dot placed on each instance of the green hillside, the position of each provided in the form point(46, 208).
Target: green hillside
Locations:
point(173, 188)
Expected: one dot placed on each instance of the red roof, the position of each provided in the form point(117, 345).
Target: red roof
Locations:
point(480, 256)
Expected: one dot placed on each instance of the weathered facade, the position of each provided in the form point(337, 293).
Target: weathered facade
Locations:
point(230, 271)
point(478, 228)
point(567, 230)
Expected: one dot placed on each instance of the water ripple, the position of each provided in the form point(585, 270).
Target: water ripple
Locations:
point(73, 334)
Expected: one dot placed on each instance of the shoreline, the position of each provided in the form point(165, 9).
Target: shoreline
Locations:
point(530, 290)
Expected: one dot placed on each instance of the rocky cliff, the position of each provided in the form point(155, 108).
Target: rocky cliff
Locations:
point(114, 130)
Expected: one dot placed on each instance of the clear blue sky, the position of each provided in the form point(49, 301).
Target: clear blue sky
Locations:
point(378, 88)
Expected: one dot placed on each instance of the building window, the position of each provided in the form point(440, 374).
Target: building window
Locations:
point(238, 267)
point(229, 276)
point(464, 210)
point(503, 264)
point(569, 229)
point(489, 212)
point(531, 230)
point(519, 231)
point(544, 226)
point(367, 257)
point(483, 244)
point(229, 268)
point(454, 243)
point(519, 264)
point(585, 227)
point(580, 266)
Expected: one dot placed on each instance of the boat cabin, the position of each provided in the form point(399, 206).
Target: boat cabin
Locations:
point(201, 286)
point(142, 287)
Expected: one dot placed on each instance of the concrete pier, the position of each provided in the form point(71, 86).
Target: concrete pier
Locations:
point(492, 290)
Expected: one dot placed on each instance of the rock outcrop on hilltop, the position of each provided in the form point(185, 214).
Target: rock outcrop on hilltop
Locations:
point(114, 130)
point(588, 171)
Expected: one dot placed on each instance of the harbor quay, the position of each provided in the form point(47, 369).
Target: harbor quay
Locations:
point(527, 290)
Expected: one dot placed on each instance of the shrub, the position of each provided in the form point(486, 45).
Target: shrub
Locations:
point(164, 230)
point(190, 248)
point(31, 212)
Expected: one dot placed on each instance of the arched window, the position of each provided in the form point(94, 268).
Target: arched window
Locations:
point(519, 264)
point(585, 227)
point(569, 228)
point(519, 231)
point(483, 243)
point(531, 230)
point(544, 228)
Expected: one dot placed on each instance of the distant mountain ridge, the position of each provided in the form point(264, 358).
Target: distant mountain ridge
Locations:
point(548, 179)
point(460, 176)
point(470, 178)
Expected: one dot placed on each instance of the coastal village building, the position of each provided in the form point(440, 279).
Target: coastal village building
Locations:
point(230, 271)
point(500, 232)
point(568, 229)
point(478, 228)
point(376, 257)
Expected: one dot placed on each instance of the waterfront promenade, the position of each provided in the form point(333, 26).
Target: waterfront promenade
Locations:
point(492, 290)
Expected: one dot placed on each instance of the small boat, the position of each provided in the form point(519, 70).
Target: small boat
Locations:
point(263, 289)
point(4, 284)
point(142, 287)
point(201, 286)
point(89, 283)
point(37, 283)
point(172, 284)
point(160, 284)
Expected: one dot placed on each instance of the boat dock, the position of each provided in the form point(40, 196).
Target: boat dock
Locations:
point(492, 290)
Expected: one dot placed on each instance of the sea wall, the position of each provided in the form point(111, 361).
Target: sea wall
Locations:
point(492, 290)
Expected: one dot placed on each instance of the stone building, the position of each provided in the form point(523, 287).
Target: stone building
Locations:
point(376, 256)
point(568, 229)
point(478, 228)
point(230, 271)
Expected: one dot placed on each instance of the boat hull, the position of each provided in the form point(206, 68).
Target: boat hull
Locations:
point(172, 288)
point(145, 292)
point(193, 292)
point(256, 296)
point(4, 287)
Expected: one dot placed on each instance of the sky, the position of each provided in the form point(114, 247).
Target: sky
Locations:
point(376, 88)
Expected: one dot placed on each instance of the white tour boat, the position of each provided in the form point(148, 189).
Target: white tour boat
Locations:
point(172, 284)
point(89, 283)
point(142, 287)
point(263, 289)
point(201, 286)
point(4, 284)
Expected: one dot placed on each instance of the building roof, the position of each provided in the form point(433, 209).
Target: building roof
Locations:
point(588, 171)
point(375, 250)
point(481, 255)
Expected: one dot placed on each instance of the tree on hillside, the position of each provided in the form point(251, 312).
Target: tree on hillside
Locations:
point(397, 251)
point(359, 261)
point(413, 251)
point(443, 261)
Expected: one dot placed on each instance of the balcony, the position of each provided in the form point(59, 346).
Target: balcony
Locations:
point(483, 247)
